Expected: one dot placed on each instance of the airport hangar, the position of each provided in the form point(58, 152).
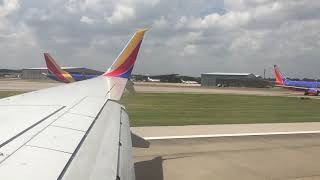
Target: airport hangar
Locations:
point(232, 80)
point(38, 73)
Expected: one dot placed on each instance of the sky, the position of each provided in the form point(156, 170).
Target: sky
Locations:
point(187, 37)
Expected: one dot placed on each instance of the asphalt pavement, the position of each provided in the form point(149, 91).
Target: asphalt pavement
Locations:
point(280, 157)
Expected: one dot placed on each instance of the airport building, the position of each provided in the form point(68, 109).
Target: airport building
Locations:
point(39, 73)
point(10, 73)
point(232, 80)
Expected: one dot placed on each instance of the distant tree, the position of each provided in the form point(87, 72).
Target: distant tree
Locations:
point(307, 79)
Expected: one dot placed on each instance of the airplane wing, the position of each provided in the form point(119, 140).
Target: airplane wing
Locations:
point(72, 132)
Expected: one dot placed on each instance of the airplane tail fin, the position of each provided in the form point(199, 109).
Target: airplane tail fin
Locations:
point(123, 65)
point(279, 77)
point(55, 69)
point(52, 66)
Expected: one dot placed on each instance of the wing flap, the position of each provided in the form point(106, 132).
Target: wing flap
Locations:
point(126, 168)
point(97, 157)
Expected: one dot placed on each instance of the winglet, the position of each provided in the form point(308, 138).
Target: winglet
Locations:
point(54, 68)
point(279, 77)
point(123, 65)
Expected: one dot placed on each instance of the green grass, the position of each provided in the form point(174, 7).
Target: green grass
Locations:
point(4, 94)
point(159, 109)
point(187, 109)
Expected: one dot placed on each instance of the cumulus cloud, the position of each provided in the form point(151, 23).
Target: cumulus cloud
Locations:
point(120, 14)
point(74, 6)
point(8, 7)
point(189, 49)
point(86, 19)
point(189, 37)
point(228, 20)
point(160, 23)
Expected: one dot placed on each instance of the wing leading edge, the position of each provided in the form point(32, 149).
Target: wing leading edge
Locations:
point(73, 131)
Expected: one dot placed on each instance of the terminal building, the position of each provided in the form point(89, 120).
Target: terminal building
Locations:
point(232, 80)
point(39, 73)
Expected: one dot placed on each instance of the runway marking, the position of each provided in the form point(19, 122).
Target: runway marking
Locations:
point(230, 135)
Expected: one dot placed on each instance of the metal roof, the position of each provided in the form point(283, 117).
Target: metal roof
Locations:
point(228, 74)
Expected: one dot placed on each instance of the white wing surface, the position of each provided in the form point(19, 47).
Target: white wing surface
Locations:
point(73, 131)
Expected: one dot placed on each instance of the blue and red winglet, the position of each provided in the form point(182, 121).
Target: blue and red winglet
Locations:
point(123, 65)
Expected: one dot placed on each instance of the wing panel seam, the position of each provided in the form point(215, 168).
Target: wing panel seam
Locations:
point(80, 144)
point(32, 126)
point(40, 147)
point(83, 139)
point(62, 127)
point(25, 143)
point(81, 114)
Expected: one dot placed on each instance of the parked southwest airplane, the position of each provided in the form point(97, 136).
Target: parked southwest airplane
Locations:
point(56, 73)
point(76, 131)
point(309, 88)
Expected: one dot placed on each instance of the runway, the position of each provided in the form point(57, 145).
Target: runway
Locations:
point(251, 157)
point(185, 88)
point(149, 87)
point(223, 130)
point(26, 85)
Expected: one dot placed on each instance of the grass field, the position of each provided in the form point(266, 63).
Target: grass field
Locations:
point(4, 94)
point(187, 109)
point(147, 109)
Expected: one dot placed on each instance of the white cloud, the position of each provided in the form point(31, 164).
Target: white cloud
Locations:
point(90, 4)
point(267, 9)
point(87, 20)
point(36, 14)
point(20, 39)
point(121, 13)
point(8, 7)
point(160, 23)
point(228, 20)
point(249, 41)
point(151, 3)
point(189, 49)
point(210, 35)
point(74, 6)
point(71, 6)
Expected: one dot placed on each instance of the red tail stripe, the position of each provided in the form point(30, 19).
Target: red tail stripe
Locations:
point(53, 69)
point(279, 79)
point(127, 65)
